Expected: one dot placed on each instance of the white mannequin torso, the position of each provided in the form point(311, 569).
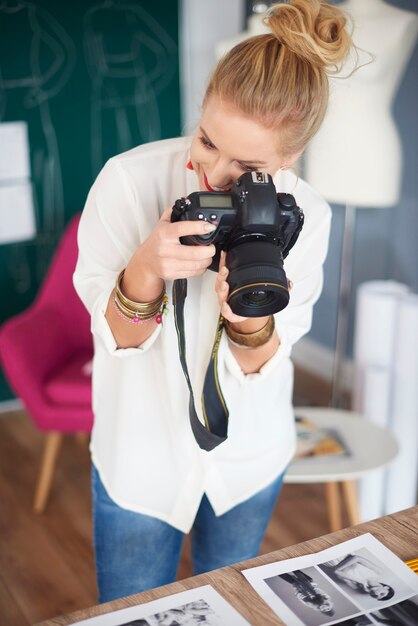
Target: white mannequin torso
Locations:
point(356, 156)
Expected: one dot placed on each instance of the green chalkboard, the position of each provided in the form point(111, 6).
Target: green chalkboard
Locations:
point(90, 79)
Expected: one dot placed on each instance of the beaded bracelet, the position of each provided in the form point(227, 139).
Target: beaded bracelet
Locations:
point(158, 317)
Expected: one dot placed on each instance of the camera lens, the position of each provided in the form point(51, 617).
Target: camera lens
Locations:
point(257, 281)
point(257, 298)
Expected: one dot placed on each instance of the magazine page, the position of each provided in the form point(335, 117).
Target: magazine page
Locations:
point(356, 583)
point(317, 443)
point(194, 607)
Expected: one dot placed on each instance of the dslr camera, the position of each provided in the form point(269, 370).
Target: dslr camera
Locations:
point(257, 227)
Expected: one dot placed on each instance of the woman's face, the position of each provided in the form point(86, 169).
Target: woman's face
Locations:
point(378, 590)
point(228, 143)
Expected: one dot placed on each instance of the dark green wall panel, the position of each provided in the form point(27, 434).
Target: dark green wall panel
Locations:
point(91, 79)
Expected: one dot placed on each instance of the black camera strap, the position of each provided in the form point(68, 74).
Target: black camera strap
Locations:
point(215, 411)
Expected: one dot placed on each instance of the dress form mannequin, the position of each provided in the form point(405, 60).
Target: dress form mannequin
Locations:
point(356, 157)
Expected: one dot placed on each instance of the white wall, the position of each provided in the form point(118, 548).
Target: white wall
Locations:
point(202, 24)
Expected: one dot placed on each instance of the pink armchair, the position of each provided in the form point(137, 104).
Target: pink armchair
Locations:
point(45, 352)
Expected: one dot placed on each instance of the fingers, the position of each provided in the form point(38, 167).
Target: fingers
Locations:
point(222, 258)
point(194, 227)
point(190, 227)
point(229, 315)
point(187, 227)
point(192, 253)
point(221, 285)
point(182, 273)
point(166, 216)
point(171, 256)
point(174, 268)
point(222, 291)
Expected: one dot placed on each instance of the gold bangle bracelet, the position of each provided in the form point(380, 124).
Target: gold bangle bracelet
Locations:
point(251, 340)
point(132, 303)
point(139, 310)
point(144, 312)
point(130, 312)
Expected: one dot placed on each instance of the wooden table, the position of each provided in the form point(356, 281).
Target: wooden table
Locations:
point(399, 532)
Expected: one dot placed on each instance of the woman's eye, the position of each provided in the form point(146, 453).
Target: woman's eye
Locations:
point(209, 146)
point(247, 168)
point(206, 143)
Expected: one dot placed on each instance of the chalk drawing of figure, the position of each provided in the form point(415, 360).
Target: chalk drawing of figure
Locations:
point(36, 60)
point(127, 74)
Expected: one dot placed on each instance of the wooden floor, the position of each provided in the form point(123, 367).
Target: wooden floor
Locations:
point(46, 562)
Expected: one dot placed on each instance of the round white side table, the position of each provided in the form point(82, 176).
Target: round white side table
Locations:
point(370, 447)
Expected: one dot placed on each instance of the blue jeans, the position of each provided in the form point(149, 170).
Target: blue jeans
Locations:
point(135, 552)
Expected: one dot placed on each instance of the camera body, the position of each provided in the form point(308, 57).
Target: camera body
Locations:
point(257, 227)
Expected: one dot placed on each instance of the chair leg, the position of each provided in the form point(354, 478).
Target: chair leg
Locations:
point(351, 501)
point(82, 439)
point(46, 473)
point(334, 506)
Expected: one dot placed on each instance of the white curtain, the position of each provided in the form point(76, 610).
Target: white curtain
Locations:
point(386, 389)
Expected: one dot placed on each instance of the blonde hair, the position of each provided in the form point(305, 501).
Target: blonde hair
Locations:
point(281, 79)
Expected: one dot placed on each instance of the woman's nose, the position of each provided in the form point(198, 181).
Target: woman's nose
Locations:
point(220, 176)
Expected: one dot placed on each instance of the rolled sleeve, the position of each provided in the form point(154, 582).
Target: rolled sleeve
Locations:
point(102, 331)
point(235, 370)
point(107, 235)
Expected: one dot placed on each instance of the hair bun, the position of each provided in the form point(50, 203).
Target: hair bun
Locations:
point(315, 31)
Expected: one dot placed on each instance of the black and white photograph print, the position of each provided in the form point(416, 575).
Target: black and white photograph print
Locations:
point(366, 579)
point(191, 614)
point(201, 606)
point(346, 584)
point(403, 613)
point(360, 620)
point(311, 596)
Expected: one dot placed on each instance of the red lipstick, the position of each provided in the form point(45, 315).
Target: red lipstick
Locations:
point(209, 188)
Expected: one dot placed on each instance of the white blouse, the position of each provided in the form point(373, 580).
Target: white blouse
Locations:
point(142, 443)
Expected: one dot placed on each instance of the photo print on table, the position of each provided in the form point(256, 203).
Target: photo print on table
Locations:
point(403, 613)
point(191, 614)
point(311, 596)
point(201, 606)
point(349, 584)
point(360, 620)
point(366, 579)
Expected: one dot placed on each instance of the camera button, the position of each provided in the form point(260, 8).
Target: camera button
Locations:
point(200, 216)
point(213, 217)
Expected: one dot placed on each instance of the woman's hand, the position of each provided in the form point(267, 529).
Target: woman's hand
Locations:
point(222, 291)
point(167, 258)
point(250, 361)
point(163, 257)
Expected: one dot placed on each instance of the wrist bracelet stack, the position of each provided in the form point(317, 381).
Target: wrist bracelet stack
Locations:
point(251, 340)
point(136, 312)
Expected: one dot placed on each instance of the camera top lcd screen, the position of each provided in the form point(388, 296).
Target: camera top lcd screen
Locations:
point(215, 201)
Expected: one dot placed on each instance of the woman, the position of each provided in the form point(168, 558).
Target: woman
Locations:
point(308, 592)
point(151, 481)
point(360, 574)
